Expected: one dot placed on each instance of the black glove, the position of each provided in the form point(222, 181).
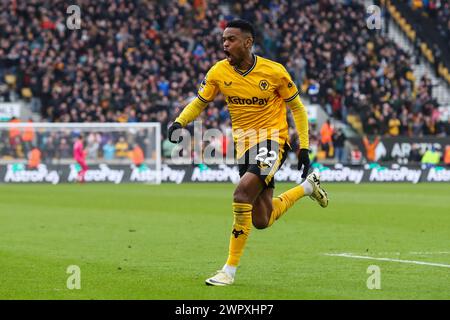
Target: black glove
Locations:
point(172, 128)
point(303, 160)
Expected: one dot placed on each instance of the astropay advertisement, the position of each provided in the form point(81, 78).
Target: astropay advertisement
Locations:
point(117, 174)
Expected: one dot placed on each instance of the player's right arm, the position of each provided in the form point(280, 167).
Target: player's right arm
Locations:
point(206, 93)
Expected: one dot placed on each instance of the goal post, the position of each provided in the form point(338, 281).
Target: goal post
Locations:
point(115, 152)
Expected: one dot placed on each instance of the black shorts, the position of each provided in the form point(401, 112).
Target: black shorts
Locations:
point(264, 160)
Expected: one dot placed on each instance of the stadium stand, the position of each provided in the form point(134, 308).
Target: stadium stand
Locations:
point(135, 61)
point(427, 24)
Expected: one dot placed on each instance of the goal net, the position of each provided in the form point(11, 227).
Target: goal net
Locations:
point(115, 152)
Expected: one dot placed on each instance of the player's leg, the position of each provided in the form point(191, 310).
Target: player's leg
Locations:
point(284, 201)
point(82, 173)
point(254, 166)
point(262, 209)
point(244, 196)
point(280, 204)
point(267, 209)
point(79, 172)
point(318, 194)
point(248, 189)
point(310, 187)
point(256, 188)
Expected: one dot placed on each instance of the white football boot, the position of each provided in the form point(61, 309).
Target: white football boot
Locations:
point(222, 278)
point(318, 194)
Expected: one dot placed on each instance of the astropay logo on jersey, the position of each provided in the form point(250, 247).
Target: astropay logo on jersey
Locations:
point(247, 101)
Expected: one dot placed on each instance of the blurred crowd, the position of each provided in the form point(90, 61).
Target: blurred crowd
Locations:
point(137, 61)
point(350, 69)
point(334, 144)
point(439, 12)
point(55, 145)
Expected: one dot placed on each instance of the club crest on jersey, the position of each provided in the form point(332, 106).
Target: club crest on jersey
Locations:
point(264, 85)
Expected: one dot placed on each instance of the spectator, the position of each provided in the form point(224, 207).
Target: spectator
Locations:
point(339, 144)
point(34, 158)
point(326, 134)
point(370, 148)
point(28, 136)
point(109, 150)
point(447, 156)
point(414, 155)
point(167, 148)
point(355, 155)
point(93, 145)
point(64, 150)
point(394, 126)
point(121, 148)
point(136, 155)
point(431, 158)
point(14, 133)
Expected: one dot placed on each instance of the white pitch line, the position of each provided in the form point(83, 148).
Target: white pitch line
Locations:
point(346, 255)
point(406, 253)
point(429, 253)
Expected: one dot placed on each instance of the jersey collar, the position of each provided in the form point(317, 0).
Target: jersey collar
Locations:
point(255, 58)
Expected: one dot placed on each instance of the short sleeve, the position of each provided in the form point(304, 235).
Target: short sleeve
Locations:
point(286, 87)
point(209, 88)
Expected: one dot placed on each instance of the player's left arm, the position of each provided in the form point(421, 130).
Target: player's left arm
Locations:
point(301, 121)
point(289, 92)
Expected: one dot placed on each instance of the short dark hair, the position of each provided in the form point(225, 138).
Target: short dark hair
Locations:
point(243, 25)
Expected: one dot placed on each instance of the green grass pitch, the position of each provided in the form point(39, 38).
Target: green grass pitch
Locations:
point(138, 241)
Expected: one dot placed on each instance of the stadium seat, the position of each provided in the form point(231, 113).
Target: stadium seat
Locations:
point(10, 79)
point(26, 93)
point(355, 122)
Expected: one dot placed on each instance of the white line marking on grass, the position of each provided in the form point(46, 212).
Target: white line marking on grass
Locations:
point(347, 255)
point(432, 253)
point(405, 253)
